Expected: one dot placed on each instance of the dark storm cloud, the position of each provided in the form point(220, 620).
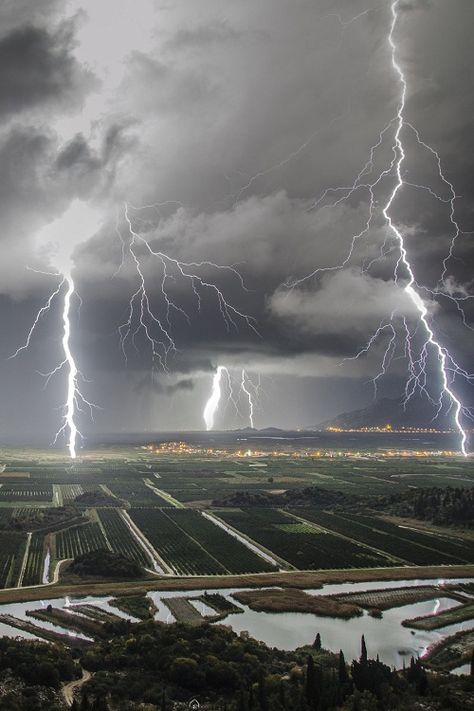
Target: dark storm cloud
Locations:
point(157, 385)
point(238, 116)
point(37, 66)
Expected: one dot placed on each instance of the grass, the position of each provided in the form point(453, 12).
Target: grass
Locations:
point(294, 600)
point(139, 606)
point(448, 617)
point(451, 652)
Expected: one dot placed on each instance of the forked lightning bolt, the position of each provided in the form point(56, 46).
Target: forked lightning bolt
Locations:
point(422, 298)
point(245, 387)
point(75, 400)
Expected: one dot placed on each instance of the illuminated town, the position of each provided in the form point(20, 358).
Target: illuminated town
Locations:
point(185, 449)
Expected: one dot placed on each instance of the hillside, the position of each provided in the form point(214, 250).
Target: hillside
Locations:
point(417, 413)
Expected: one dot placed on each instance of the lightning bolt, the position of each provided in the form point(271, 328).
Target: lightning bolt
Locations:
point(143, 318)
point(248, 394)
point(75, 400)
point(212, 404)
point(78, 222)
point(246, 386)
point(422, 298)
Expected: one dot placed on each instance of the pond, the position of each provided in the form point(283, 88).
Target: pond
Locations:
point(394, 644)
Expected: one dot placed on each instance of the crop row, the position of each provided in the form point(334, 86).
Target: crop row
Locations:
point(33, 574)
point(70, 491)
point(120, 538)
point(12, 548)
point(26, 492)
point(232, 554)
point(77, 540)
point(306, 549)
point(463, 552)
point(395, 541)
point(176, 547)
point(136, 492)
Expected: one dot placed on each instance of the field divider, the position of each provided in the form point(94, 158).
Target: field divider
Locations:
point(145, 544)
point(25, 560)
point(164, 495)
point(191, 538)
point(256, 548)
point(386, 555)
point(102, 528)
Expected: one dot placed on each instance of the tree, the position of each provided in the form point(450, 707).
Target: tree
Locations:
point(163, 701)
point(262, 692)
point(343, 676)
point(363, 651)
point(317, 642)
point(310, 682)
point(472, 663)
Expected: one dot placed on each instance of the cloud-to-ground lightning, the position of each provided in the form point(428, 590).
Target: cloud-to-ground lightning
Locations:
point(85, 220)
point(248, 394)
point(423, 299)
point(212, 404)
point(246, 390)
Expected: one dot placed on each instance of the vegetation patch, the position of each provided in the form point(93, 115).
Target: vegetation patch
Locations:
point(105, 564)
point(443, 619)
point(140, 606)
point(294, 600)
point(451, 652)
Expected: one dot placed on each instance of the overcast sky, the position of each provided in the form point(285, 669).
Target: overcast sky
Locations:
point(212, 130)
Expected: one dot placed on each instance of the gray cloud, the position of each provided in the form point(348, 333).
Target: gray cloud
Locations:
point(37, 66)
point(238, 116)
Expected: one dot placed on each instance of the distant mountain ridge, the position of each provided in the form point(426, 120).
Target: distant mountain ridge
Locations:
point(417, 413)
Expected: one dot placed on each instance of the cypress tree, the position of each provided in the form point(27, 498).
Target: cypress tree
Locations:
point(363, 651)
point(262, 692)
point(317, 642)
point(343, 676)
point(310, 686)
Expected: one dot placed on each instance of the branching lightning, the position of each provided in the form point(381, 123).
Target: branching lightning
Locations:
point(75, 400)
point(143, 318)
point(247, 390)
point(77, 223)
point(423, 299)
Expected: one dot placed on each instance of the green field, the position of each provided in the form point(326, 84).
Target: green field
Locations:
point(71, 509)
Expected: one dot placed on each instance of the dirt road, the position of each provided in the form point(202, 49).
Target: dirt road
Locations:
point(70, 688)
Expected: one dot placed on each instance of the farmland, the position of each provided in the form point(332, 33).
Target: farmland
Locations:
point(176, 547)
point(12, 549)
point(120, 538)
point(131, 500)
point(303, 546)
point(78, 540)
point(405, 544)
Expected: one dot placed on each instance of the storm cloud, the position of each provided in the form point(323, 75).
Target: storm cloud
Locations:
point(227, 129)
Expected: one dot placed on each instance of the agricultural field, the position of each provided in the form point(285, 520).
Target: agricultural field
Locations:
point(177, 548)
point(406, 544)
point(301, 545)
point(120, 538)
point(26, 493)
point(77, 540)
point(73, 508)
point(33, 573)
point(12, 549)
point(228, 551)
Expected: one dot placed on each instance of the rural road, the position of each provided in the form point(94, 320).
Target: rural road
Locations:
point(72, 686)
